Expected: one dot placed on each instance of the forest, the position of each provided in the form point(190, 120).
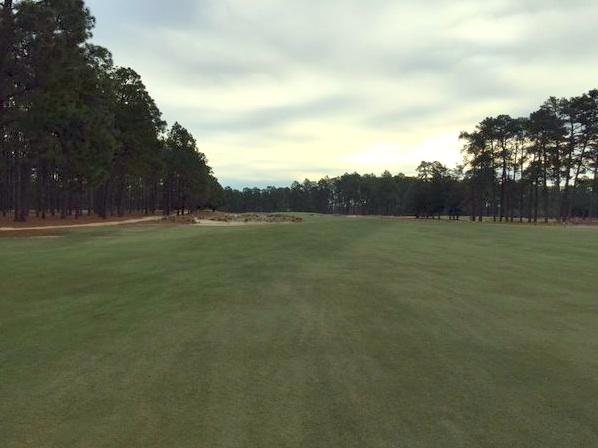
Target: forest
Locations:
point(79, 134)
point(541, 167)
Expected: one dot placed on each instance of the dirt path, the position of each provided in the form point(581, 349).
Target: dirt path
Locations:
point(212, 219)
point(74, 226)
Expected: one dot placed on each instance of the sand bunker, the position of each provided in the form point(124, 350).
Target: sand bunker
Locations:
point(231, 219)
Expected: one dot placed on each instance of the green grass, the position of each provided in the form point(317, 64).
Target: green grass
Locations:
point(335, 332)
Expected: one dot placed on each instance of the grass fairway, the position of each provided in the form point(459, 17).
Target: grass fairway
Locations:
point(335, 332)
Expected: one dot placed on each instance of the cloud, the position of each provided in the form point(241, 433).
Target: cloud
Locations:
point(260, 119)
point(286, 90)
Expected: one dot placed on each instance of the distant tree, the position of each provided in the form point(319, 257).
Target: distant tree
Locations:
point(480, 175)
point(189, 181)
point(431, 189)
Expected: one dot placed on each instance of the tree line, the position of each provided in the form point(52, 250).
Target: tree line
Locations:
point(435, 191)
point(79, 134)
point(544, 166)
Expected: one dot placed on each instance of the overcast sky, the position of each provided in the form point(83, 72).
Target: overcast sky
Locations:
point(278, 90)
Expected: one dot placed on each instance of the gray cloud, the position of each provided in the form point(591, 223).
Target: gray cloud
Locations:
point(268, 118)
point(327, 83)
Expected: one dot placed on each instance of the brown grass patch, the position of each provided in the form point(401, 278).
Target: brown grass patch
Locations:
point(46, 233)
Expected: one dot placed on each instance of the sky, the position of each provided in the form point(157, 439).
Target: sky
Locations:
point(283, 90)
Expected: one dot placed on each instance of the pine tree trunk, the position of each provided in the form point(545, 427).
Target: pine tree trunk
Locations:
point(545, 185)
point(503, 181)
point(24, 191)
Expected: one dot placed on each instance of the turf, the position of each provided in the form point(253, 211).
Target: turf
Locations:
point(335, 332)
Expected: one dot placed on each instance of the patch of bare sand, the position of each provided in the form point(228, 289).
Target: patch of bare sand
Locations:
point(218, 219)
point(209, 223)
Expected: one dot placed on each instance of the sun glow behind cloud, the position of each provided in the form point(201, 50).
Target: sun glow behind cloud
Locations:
point(276, 91)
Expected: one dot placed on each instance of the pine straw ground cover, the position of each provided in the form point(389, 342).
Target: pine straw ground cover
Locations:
point(333, 332)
